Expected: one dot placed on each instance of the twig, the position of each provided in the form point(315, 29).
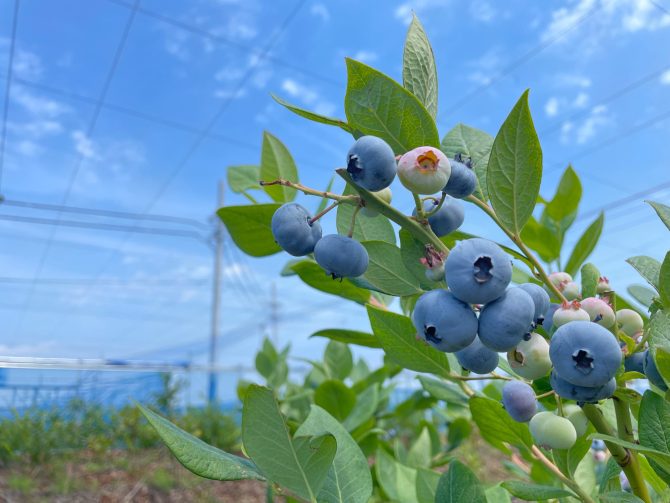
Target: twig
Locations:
point(539, 455)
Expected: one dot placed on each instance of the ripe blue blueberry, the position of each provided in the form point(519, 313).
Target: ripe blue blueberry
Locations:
point(581, 394)
point(444, 322)
point(478, 271)
point(293, 230)
point(447, 219)
point(477, 358)
point(635, 362)
point(463, 180)
point(530, 358)
point(371, 163)
point(585, 354)
point(504, 322)
point(549, 317)
point(519, 401)
point(551, 431)
point(540, 299)
point(341, 256)
point(652, 373)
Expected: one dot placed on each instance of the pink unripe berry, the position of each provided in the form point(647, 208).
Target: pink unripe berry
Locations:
point(424, 170)
point(599, 311)
point(559, 278)
point(570, 312)
point(603, 285)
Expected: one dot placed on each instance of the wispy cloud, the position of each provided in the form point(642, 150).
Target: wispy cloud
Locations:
point(83, 145)
point(571, 80)
point(321, 11)
point(665, 78)
point(581, 132)
point(482, 11)
point(366, 56)
point(308, 96)
point(551, 107)
point(484, 68)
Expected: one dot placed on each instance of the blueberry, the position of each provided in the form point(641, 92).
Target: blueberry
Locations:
point(436, 272)
point(599, 311)
point(424, 170)
point(478, 271)
point(293, 231)
point(576, 416)
point(519, 401)
point(371, 163)
point(341, 256)
point(585, 354)
point(552, 432)
point(635, 362)
point(462, 181)
point(560, 279)
point(447, 219)
point(444, 322)
point(540, 299)
point(530, 359)
point(477, 358)
point(629, 322)
point(582, 394)
point(549, 317)
point(504, 322)
point(569, 312)
point(652, 373)
point(603, 285)
point(570, 290)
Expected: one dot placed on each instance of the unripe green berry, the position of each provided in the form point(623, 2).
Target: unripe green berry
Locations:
point(530, 359)
point(552, 432)
point(576, 416)
point(629, 322)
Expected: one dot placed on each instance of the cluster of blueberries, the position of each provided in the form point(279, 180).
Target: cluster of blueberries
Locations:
point(371, 164)
point(479, 315)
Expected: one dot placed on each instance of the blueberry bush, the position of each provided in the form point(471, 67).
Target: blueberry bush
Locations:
point(502, 336)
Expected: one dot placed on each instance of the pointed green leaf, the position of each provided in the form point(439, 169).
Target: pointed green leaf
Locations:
point(338, 360)
point(515, 168)
point(378, 228)
point(562, 208)
point(349, 479)
point(419, 454)
point(585, 245)
point(250, 228)
point(377, 105)
point(619, 497)
point(300, 464)
point(277, 163)
point(426, 485)
point(475, 144)
point(497, 494)
point(349, 337)
point(197, 456)
point(443, 390)
point(398, 338)
point(590, 276)
point(386, 270)
point(659, 457)
point(649, 268)
point(243, 178)
point(541, 239)
point(335, 398)
point(366, 405)
point(662, 210)
point(419, 73)
point(658, 331)
point(311, 273)
point(654, 428)
point(397, 480)
point(535, 492)
point(313, 116)
point(643, 294)
point(664, 281)
point(496, 426)
point(459, 484)
point(568, 459)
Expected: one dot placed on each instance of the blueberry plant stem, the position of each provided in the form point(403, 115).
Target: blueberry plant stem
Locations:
point(439, 205)
point(350, 199)
point(323, 212)
point(352, 226)
point(540, 272)
point(419, 207)
point(539, 455)
point(624, 457)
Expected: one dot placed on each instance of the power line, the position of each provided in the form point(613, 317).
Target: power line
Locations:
point(103, 212)
point(218, 38)
point(143, 282)
point(518, 63)
point(624, 200)
point(8, 89)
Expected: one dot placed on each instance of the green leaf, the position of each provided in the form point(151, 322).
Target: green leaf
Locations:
point(497, 494)
point(590, 276)
point(386, 270)
point(419, 73)
point(300, 464)
point(378, 228)
point(338, 360)
point(459, 484)
point(619, 497)
point(276, 163)
point(397, 480)
point(649, 268)
point(250, 228)
point(656, 482)
point(377, 105)
point(568, 459)
point(349, 337)
point(585, 474)
point(562, 208)
point(655, 455)
point(397, 336)
point(475, 144)
point(534, 492)
point(585, 245)
point(336, 398)
point(243, 178)
point(662, 210)
point(197, 456)
point(311, 273)
point(366, 405)
point(664, 281)
point(610, 472)
point(659, 331)
point(313, 116)
point(420, 452)
point(643, 294)
point(411, 253)
point(541, 239)
point(654, 428)
point(443, 390)
point(496, 426)
point(426, 485)
point(515, 168)
point(349, 479)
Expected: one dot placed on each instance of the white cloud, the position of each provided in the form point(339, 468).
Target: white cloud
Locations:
point(321, 11)
point(482, 11)
point(485, 67)
point(37, 105)
point(366, 56)
point(665, 78)
point(551, 107)
point(571, 80)
point(308, 96)
point(403, 12)
point(597, 119)
point(581, 100)
point(83, 145)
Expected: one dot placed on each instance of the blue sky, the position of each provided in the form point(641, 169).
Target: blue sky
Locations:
point(190, 95)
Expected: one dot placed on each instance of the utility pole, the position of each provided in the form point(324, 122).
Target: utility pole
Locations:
point(216, 301)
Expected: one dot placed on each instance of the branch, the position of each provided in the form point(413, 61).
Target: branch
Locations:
point(352, 199)
point(539, 455)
